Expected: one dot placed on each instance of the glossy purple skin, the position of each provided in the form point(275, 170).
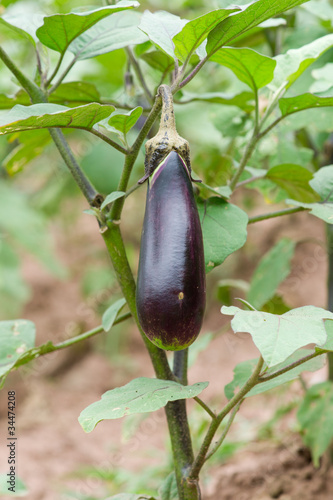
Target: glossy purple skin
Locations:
point(171, 291)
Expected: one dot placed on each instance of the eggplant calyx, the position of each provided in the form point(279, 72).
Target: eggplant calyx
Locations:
point(167, 138)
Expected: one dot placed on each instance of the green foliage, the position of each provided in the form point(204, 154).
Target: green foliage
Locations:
point(111, 313)
point(277, 337)
point(138, 396)
point(315, 417)
point(20, 488)
point(168, 489)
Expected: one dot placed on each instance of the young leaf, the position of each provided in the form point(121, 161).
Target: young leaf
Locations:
point(294, 179)
point(293, 63)
point(289, 105)
point(196, 31)
point(158, 60)
point(111, 313)
point(112, 33)
point(112, 197)
point(141, 395)
point(123, 121)
point(273, 268)
point(224, 229)
point(52, 115)
point(277, 337)
point(161, 27)
point(315, 416)
point(249, 66)
point(250, 16)
point(16, 337)
point(168, 489)
point(59, 30)
point(243, 371)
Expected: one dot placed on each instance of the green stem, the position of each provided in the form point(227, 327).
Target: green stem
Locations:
point(56, 69)
point(201, 457)
point(290, 367)
point(279, 213)
point(329, 232)
point(62, 76)
point(180, 361)
point(225, 432)
point(132, 156)
point(139, 74)
point(35, 93)
point(247, 154)
point(84, 184)
point(205, 407)
point(107, 139)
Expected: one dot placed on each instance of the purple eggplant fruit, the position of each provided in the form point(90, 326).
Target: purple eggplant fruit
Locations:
point(171, 291)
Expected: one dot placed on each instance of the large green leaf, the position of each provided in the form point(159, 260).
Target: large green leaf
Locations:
point(278, 336)
point(23, 24)
point(320, 8)
point(75, 94)
point(249, 66)
point(294, 179)
point(112, 33)
point(322, 182)
point(250, 16)
point(224, 229)
point(289, 105)
point(322, 210)
point(273, 268)
point(243, 371)
point(293, 63)
point(161, 27)
point(59, 30)
point(52, 115)
point(16, 337)
point(158, 60)
point(315, 416)
point(123, 121)
point(196, 31)
point(141, 395)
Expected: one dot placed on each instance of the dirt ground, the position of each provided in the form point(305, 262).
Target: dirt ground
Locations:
point(51, 393)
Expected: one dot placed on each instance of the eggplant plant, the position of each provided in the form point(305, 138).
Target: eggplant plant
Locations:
point(187, 232)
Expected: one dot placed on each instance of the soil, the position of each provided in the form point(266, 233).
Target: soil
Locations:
point(52, 392)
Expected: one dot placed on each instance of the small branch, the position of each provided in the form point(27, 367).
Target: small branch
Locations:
point(270, 127)
point(236, 400)
point(247, 181)
point(205, 407)
point(290, 367)
point(35, 93)
point(55, 70)
point(107, 139)
point(62, 76)
point(225, 432)
point(247, 154)
point(139, 74)
point(279, 213)
point(82, 181)
point(177, 86)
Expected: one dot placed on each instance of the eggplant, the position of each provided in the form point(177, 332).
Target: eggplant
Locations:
point(171, 290)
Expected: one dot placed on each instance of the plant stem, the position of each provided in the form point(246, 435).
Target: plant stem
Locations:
point(107, 139)
point(279, 213)
point(225, 431)
point(247, 154)
point(205, 407)
point(180, 360)
point(139, 74)
point(201, 457)
point(56, 69)
point(62, 76)
point(84, 184)
point(329, 232)
point(290, 367)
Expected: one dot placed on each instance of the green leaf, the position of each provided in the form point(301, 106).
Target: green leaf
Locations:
point(20, 488)
point(315, 416)
point(16, 337)
point(322, 210)
point(168, 489)
point(141, 395)
point(289, 105)
point(129, 496)
point(59, 30)
point(329, 330)
point(320, 8)
point(111, 313)
point(244, 100)
point(161, 27)
point(75, 94)
point(293, 63)
point(123, 121)
point(278, 336)
point(224, 229)
point(112, 33)
point(158, 60)
point(250, 16)
point(273, 268)
point(52, 115)
point(196, 31)
point(112, 197)
point(294, 179)
point(243, 371)
point(231, 122)
point(23, 24)
point(322, 183)
point(8, 102)
point(249, 66)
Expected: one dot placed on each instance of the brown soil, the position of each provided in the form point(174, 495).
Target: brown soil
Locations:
point(53, 391)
